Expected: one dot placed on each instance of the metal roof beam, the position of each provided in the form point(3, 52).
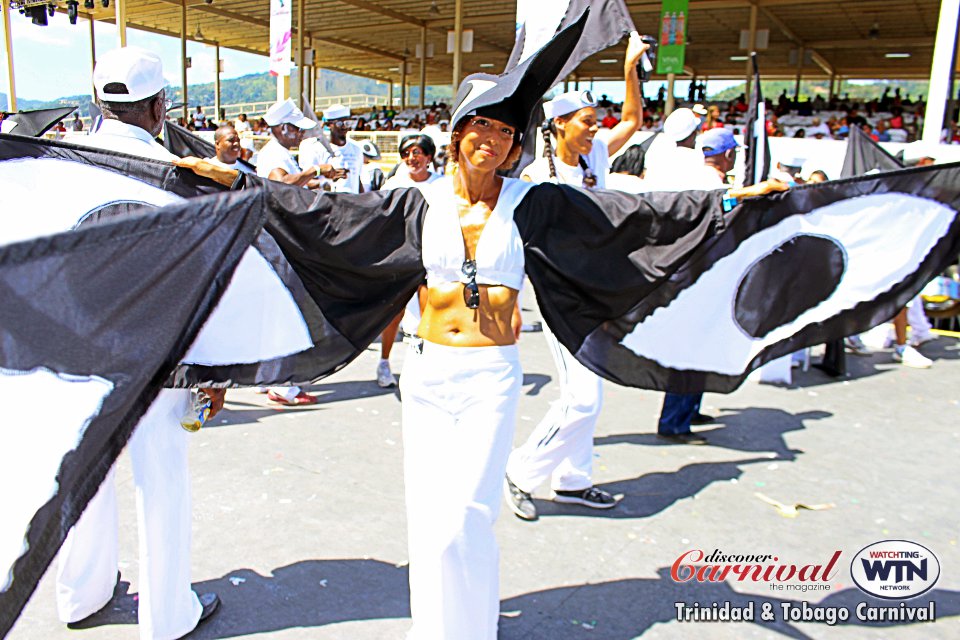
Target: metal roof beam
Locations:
point(818, 59)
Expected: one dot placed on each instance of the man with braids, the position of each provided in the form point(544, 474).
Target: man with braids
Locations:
point(561, 446)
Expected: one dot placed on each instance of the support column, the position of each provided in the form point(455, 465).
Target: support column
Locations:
point(301, 31)
point(283, 87)
point(670, 103)
point(751, 46)
point(313, 86)
point(423, 65)
point(93, 52)
point(832, 89)
point(796, 88)
point(216, 83)
point(8, 40)
point(403, 84)
point(120, 7)
point(457, 44)
point(390, 96)
point(183, 59)
point(941, 71)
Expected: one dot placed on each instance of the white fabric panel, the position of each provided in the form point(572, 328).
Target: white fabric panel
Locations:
point(256, 319)
point(30, 462)
point(75, 190)
point(888, 234)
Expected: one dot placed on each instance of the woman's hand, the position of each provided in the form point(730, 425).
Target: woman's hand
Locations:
point(635, 48)
point(217, 398)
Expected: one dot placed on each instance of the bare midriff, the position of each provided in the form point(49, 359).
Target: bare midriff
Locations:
point(448, 321)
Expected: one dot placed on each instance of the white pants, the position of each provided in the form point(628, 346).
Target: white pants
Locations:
point(459, 408)
point(917, 317)
point(87, 564)
point(562, 444)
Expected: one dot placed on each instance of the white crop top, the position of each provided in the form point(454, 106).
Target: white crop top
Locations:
point(499, 253)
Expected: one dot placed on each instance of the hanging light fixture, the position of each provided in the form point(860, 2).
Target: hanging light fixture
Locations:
point(199, 34)
point(434, 9)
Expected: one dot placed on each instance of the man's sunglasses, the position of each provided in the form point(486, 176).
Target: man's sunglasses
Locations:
point(469, 269)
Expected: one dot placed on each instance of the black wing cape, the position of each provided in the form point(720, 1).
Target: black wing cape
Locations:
point(657, 290)
point(97, 319)
point(38, 121)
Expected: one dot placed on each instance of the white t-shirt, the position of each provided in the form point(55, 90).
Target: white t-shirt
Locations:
point(275, 156)
point(670, 167)
point(598, 161)
point(349, 157)
point(241, 125)
point(400, 180)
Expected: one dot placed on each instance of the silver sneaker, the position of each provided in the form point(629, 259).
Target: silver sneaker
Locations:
point(385, 377)
point(520, 502)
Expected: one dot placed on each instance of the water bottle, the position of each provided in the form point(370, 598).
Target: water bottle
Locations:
point(198, 413)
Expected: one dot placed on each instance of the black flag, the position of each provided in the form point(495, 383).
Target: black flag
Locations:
point(607, 23)
point(757, 158)
point(866, 156)
point(38, 121)
point(96, 318)
point(642, 290)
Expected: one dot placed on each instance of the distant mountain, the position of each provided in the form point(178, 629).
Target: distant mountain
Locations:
point(255, 87)
point(810, 89)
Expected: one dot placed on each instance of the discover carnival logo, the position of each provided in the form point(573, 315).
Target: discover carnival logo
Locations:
point(895, 569)
point(889, 569)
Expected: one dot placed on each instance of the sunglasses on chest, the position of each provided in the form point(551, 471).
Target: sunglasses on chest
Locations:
point(471, 289)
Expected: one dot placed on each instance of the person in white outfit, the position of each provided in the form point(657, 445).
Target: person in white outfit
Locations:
point(343, 154)
point(276, 162)
point(561, 446)
point(129, 84)
point(416, 152)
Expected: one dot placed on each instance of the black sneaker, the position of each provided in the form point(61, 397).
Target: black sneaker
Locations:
point(521, 503)
point(593, 497)
point(683, 438)
point(702, 418)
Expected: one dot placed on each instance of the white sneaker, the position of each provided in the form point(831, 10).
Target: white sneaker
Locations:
point(385, 377)
point(918, 338)
point(910, 357)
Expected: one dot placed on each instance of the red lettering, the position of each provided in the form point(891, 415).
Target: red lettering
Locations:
point(690, 570)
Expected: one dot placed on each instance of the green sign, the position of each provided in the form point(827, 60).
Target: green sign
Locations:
point(674, 15)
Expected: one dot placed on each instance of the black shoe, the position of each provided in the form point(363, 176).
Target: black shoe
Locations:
point(592, 497)
point(683, 438)
point(702, 418)
point(210, 603)
point(520, 502)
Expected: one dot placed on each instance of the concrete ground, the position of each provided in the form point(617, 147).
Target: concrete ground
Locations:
point(299, 518)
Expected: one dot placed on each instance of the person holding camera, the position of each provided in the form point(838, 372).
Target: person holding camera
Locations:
point(561, 446)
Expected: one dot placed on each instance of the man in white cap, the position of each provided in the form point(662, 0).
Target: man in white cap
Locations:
point(276, 162)
point(130, 90)
point(788, 170)
point(346, 155)
point(673, 154)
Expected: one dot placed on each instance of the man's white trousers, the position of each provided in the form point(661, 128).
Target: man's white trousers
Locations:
point(87, 564)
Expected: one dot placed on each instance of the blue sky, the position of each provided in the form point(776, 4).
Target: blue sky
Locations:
point(54, 61)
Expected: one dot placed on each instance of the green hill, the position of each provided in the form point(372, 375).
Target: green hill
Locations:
point(255, 87)
point(810, 89)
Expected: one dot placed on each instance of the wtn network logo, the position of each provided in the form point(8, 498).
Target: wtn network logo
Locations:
point(895, 569)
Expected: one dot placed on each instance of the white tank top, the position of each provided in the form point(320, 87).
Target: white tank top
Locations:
point(499, 253)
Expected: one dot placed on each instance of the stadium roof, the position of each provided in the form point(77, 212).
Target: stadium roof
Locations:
point(371, 38)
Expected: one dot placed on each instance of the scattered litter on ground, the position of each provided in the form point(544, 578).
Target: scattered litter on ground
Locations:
point(792, 510)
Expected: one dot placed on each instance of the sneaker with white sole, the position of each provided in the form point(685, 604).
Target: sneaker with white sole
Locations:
point(910, 357)
point(521, 502)
point(385, 377)
point(591, 497)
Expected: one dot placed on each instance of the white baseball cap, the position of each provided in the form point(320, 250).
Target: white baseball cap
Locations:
point(335, 112)
point(286, 112)
point(128, 74)
point(568, 103)
point(680, 124)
